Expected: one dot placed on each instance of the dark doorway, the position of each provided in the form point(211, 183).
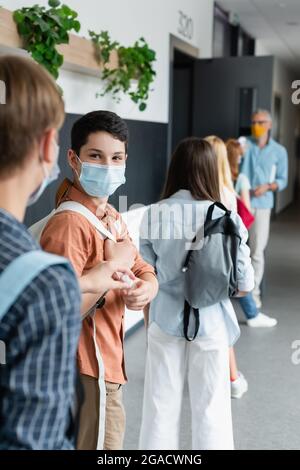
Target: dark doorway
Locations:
point(227, 91)
point(182, 97)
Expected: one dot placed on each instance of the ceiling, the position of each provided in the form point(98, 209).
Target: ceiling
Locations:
point(275, 23)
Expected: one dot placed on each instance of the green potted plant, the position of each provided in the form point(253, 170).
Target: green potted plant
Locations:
point(42, 29)
point(134, 73)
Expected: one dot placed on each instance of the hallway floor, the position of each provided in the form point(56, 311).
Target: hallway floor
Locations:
point(268, 416)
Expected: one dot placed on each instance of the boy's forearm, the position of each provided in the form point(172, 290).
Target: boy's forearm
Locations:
point(84, 284)
point(88, 301)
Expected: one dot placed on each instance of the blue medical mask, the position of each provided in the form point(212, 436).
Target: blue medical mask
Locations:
point(48, 179)
point(101, 180)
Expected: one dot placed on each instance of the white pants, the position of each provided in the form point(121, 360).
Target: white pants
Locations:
point(205, 362)
point(258, 240)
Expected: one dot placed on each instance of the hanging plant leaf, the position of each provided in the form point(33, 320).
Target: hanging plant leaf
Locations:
point(54, 3)
point(135, 63)
point(42, 30)
point(142, 106)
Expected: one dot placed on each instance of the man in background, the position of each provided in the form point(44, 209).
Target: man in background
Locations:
point(266, 165)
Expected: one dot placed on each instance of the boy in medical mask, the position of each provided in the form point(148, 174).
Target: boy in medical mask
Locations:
point(40, 329)
point(98, 157)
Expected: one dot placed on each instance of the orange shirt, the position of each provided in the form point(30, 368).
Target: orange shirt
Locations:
point(69, 234)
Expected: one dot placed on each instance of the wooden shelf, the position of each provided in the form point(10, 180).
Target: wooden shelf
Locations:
point(79, 54)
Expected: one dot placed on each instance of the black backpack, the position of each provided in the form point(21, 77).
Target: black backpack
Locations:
point(210, 272)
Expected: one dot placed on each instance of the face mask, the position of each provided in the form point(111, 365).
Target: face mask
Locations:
point(258, 131)
point(48, 179)
point(101, 180)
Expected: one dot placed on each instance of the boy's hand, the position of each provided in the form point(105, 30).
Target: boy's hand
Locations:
point(140, 295)
point(105, 276)
point(123, 252)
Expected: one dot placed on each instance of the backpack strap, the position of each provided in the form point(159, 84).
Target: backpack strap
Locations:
point(211, 210)
point(223, 224)
point(208, 218)
point(21, 272)
point(81, 209)
point(186, 321)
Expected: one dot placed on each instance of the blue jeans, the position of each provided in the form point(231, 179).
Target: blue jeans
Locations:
point(248, 306)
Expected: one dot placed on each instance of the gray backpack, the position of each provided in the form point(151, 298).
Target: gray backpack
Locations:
point(210, 272)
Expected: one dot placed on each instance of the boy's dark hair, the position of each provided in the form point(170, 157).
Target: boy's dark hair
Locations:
point(98, 121)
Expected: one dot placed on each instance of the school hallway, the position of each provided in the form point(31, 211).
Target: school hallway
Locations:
point(268, 416)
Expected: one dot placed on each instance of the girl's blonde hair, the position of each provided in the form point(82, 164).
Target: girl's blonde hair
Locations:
point(223, 163)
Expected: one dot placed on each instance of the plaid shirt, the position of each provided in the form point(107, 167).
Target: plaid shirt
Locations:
point(41, 334)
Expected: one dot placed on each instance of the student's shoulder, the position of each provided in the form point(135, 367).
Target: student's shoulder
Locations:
point(51, 299)
point(66, 221)
point(56, 284)
point(243, 232)
point(242, 182)
point(68, 217)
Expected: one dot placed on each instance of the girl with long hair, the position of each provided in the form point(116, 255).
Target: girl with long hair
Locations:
point(169, 227)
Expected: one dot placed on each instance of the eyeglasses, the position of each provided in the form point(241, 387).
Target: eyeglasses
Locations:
point(259, 122)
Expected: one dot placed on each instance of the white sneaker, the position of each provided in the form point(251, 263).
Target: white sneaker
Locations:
point(257, 300)
point(262, 321)
point(239, 386)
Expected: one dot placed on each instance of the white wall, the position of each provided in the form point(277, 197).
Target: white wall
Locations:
point(283, 78)
point(127, 21)
point(261, 49)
